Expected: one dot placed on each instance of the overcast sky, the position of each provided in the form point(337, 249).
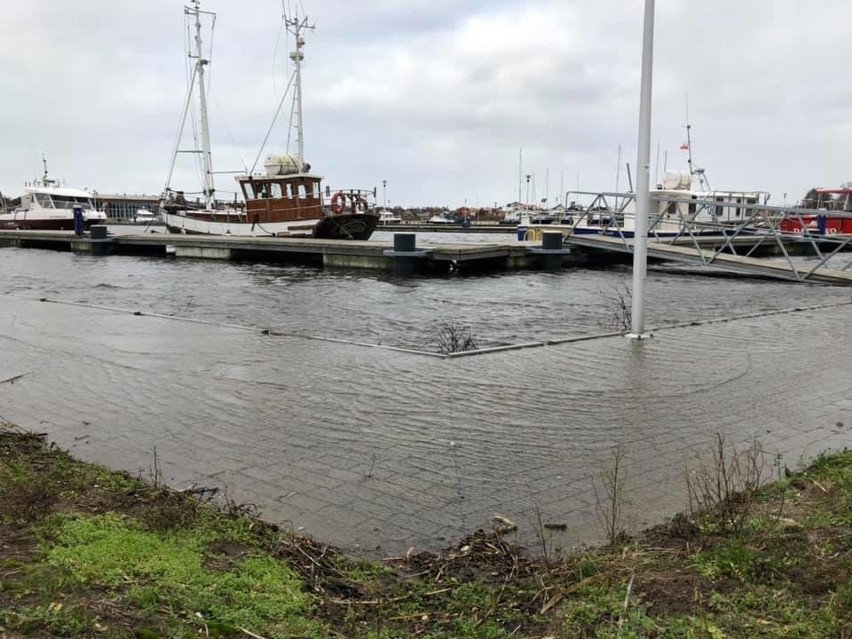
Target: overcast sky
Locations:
point(434, 96)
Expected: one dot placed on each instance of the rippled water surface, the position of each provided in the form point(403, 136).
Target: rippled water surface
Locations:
point(382, 449)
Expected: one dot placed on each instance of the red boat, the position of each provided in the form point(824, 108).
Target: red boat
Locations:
point(833, 216)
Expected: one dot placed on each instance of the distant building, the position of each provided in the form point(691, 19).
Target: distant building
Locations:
point(123, 206)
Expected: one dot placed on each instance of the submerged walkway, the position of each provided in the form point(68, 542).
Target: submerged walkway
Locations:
point(381, 450)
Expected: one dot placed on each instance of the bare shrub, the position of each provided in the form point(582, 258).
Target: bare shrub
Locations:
point(617, 313)
point(452, 338)
point(722, 489)
point(609, 488)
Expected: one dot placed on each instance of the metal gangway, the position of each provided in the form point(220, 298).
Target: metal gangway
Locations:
point(722, 231)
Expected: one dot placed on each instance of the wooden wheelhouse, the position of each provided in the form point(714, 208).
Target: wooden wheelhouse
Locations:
point(278, 198)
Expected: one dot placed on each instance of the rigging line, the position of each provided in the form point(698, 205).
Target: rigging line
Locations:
point(290, 128)
point(210, 96)
point(179, 135)
point(230, 134)
point(191, 71)
point(277, 112)
point(281, 29)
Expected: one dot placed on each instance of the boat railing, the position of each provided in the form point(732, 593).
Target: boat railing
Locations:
point(763, 225)
point(339, 200)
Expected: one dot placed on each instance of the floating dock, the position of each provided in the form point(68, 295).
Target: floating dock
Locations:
point(700, 252)
point(403, 256)
point(388, 256)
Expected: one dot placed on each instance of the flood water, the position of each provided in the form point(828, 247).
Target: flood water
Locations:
point(265, 380)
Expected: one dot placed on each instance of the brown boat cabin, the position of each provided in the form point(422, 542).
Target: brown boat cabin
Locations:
point(278, 198)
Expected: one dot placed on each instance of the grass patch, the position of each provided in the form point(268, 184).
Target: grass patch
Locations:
point(87, 552)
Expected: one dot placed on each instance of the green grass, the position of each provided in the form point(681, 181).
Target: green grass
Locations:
point(156, 572)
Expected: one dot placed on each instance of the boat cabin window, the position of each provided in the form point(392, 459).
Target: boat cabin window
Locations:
point(43, 200)
point(692, 206)
point(69, 202)
point(306, 190)
point(261, 190)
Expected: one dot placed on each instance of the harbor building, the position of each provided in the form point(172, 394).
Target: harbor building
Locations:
point(123, 206)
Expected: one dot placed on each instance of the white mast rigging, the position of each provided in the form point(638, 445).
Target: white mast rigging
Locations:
point(197, 73)
point(295, 26)
point(200, 62)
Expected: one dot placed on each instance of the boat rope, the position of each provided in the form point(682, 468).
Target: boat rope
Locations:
point(274, 119)
point(482, 351)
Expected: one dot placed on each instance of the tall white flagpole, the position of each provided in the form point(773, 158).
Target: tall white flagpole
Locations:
point(643, 194)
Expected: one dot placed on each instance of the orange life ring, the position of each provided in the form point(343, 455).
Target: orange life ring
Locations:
point(338, 201)
point(360, 204)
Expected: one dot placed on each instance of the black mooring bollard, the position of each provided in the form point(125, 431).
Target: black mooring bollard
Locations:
point(99, 241)
point(551, 244)
point(404, 243)
point(405, 253)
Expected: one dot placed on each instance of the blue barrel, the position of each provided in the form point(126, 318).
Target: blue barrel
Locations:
point(78, 220)
point(522, 233)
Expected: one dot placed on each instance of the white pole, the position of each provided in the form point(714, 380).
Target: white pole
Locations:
point(643, 195)
point(202, 97)
point(520, 170)
point(297, 56)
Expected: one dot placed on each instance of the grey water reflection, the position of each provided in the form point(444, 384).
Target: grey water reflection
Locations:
point(381, 450)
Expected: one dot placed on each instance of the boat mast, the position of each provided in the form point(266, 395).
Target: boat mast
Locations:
point(200, 63)
point(694, 170)
point(45, 180)
point(689, 147)
point(295, 26)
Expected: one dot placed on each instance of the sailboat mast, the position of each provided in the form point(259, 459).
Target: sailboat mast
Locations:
point(296, 26)
point(200, 63)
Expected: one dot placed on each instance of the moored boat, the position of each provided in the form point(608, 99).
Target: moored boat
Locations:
point(48, 205)
point(388, 217)
point(828, 211)
point(676, 209)
point(286, 200)
point(144, 216)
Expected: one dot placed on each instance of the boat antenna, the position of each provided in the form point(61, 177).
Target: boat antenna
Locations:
point(520, 170)
point(296, 26)
point(689, 147)
point(46, 180)
point(693, 170)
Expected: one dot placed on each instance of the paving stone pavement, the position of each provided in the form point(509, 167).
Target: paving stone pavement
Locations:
point(377, 450)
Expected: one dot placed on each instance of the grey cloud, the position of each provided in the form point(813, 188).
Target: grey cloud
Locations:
point(436, 96)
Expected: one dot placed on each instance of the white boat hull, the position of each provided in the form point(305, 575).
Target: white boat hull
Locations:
point(60, 220)
point(177, 223)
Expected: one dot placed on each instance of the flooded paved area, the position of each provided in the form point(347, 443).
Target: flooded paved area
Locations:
point(379, 450)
